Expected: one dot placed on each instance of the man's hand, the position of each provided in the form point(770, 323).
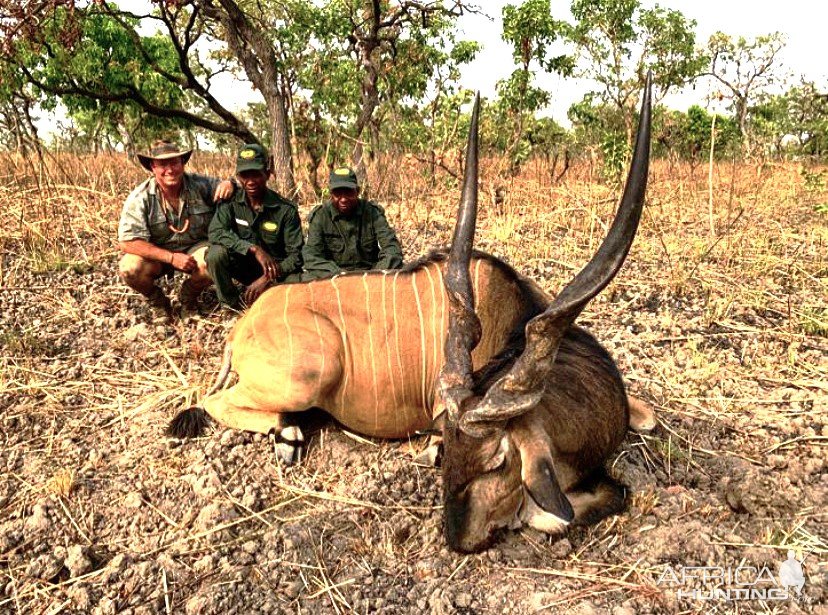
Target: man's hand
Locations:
point(253, 291)
point(270, 267)
point(224, 190)
point(183, 262)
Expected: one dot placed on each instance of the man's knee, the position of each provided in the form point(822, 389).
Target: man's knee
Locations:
point(217, 256)
point(136, 271)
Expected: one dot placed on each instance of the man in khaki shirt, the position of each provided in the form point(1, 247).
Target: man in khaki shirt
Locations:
point(163, 228)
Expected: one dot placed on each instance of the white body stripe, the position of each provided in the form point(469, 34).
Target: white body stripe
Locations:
point(397, 336)
point(387, 343)
point(321, 342)
point(435, 334)
point(290, 343)
point(368, 321)
point(342, 332)
point(422, 337)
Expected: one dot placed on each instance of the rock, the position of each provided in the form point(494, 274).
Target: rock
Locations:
point(10, 536)
point(541, 600)
point(115, 568)
point(77, 561)
point(197, 604)
point(561, 548)
point(80, 597)
point(207, 485)
point(107, 606)
point(204, 564)
point(137, 332)
point(44, 567)
point(212, 515)
point(134, 500)
point(39, 519)
point(251, 547)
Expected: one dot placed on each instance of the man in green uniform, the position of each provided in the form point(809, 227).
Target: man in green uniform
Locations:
point(255, 235)
point(348, 233)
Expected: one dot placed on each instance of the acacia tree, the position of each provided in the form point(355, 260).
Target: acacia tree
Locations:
point(92, 58)
point(801, 112)
point(531, 31)
point(272, 42)
point(374, 54)
point(745, 68)
point(18, 130)
point(618, 41)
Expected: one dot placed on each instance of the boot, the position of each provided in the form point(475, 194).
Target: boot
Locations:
point(160, 307)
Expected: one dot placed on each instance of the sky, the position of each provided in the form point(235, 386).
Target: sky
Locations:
point(796, 19)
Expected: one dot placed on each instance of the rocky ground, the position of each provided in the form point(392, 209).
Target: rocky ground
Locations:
point(101, 513)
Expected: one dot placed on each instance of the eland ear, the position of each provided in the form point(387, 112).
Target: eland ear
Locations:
point(542, 485)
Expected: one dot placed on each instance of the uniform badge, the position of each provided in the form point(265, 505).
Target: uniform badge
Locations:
point(270, 226)
point(247, 154)
point(342, 171)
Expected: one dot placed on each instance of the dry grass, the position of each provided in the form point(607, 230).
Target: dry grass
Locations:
point(732, 338)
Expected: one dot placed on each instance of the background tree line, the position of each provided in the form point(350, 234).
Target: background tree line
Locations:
point(345, 79)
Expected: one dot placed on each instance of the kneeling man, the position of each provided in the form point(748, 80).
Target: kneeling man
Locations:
point(255, 236)
point(163, 228)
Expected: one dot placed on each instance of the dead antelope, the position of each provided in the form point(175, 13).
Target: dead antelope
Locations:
point(526, 438)
point(369, 347)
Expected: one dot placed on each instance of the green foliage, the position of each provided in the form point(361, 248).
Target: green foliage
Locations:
point(618, 41)
point(106, 58)
point(744, 68)
point(616, 152)
point(530, 30)
point(687, 135)
point(801, 112)
point(814, 322)
point(814, 181)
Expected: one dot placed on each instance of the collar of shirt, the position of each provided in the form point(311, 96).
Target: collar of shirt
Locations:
point(271, 199)
point(186, 197)
point(355, 215)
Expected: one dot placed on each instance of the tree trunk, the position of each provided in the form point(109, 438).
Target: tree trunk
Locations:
point(281, 151)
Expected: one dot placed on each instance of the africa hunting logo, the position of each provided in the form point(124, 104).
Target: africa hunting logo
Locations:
point(729, 584)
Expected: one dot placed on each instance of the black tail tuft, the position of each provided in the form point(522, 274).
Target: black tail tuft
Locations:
point(189, 423)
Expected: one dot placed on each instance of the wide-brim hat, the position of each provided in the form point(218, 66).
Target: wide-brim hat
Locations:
point(163, 150)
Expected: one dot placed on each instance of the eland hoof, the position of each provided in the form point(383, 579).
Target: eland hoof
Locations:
point(287, 445)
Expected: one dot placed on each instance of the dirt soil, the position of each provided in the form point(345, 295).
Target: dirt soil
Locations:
point(101, 513)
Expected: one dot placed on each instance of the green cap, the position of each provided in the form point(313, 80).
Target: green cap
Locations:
point(343, 177)
point(252, 157)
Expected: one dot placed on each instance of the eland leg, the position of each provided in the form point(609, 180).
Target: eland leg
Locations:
point(237, 408)
point(596, 497)
point(642, 415)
